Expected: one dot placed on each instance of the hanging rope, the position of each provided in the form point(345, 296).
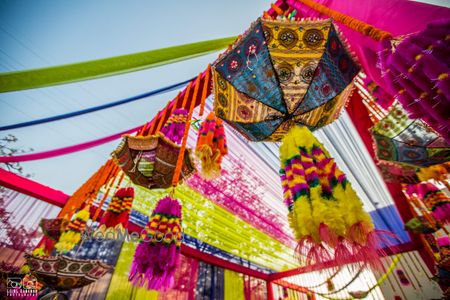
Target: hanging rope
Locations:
point(202, 104)
point(350, 22)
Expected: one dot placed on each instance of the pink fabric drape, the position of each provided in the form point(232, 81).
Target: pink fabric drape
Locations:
point(237, 191)
point(185, 281)
point(399, 17)
point(66, 150)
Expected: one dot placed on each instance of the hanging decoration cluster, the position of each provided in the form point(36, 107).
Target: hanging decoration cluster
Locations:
point(52, 229)
point(175, 125)
point(158, 254)
point(72, 235)
point(435, 200)
point(324, 210)
point(118, 211)
point(211, 146)
point(417, 71)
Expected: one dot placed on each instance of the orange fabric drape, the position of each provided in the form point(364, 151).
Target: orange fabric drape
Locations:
point(177, 172)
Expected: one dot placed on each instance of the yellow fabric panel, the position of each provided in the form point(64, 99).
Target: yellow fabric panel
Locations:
point(120, 288)
point(326, 113)
point(212, 224)
point(235, 106)
point(295, 49)
point(233, 286)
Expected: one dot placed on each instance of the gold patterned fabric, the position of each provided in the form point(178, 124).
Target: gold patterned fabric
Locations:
point(295, 49)
point(63, 273)
point(282, 73)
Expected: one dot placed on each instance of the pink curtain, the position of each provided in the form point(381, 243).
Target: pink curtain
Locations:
point(399, 17)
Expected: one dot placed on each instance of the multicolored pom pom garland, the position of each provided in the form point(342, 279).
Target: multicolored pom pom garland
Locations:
point(117, 213)
point(158, 254)
point(324, 211)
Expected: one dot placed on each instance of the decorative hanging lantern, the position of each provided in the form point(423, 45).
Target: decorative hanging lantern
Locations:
point(325, 213)
point(282, 73)
point(211, 146)
point(118, 211)
point(175, 125)
point(411, 141)
point(72, 235)
point(150, 161)
point(157, 255)
point(416, 69)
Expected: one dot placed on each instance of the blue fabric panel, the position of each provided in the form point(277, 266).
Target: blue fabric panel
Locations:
point(248, 67)
point(387, 218)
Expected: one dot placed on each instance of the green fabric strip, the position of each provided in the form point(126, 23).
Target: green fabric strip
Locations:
point(36, 78)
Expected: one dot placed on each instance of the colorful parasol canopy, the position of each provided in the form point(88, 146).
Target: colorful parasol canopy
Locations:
point(282, 73)
point(150, 161)
point(396, 173)
point(63, 273)
point(410, 141)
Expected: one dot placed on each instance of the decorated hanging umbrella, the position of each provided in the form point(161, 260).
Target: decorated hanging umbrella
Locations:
point(282, 73)
point(410, 141)
point(396, 173)
point(150, 161)
point(62, 273)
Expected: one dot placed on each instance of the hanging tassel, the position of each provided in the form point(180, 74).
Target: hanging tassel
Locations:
point(118, 211)
point(211, 146)
point(157, 256)
point(175, 125)
point(72, 235)
point(324, 211)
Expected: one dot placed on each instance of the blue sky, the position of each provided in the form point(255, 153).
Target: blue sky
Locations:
point(43, 33)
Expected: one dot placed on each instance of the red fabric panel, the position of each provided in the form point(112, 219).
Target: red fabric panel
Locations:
point(32, 188)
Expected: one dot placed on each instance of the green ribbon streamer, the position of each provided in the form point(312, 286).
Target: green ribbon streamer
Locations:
point(36, 78)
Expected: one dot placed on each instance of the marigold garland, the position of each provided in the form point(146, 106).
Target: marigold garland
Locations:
point(72, 235)
point(118, 211)
point(324, 211)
